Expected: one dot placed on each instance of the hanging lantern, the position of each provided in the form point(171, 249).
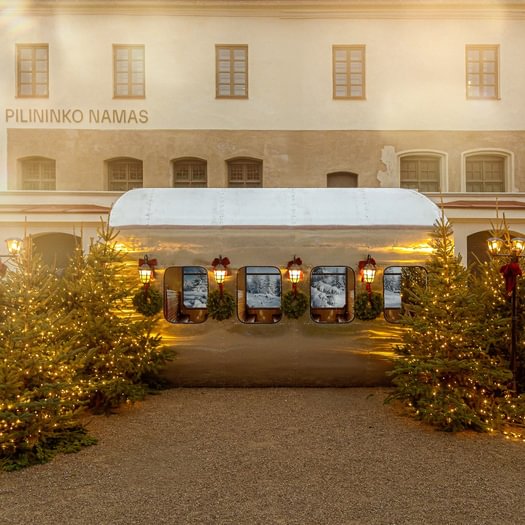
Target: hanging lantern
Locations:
point(369, 270)
point(494, 245)
point(295, 273)
point(220, 271)
point(146, 271)
point(14, 246)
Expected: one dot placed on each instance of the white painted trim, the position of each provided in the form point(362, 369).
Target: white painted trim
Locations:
point(355, 9)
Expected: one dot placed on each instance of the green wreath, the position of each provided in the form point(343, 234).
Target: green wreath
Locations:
point(368, 307)
point(220, 307)
point(294, 305)
point(148, 302)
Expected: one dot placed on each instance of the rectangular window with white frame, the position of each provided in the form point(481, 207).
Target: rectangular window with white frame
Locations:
point(231, 70)
point(482, 71)
point(32, 70)
point(129, 79)
point(348, 71)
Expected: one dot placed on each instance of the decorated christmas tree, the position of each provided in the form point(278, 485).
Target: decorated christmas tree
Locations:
point(492, 289)
point(120, 347)
point(39, 395)
point(449, 370)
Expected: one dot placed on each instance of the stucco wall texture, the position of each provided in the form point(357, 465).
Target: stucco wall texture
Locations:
point(290, 158)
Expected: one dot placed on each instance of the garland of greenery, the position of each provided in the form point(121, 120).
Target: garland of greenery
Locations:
point(368, 307)
point(148, 302)
point(220, 307)
point(294, 305)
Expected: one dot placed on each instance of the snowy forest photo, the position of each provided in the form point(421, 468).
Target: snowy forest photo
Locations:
point(328, 287)
point(397, 283)
point(195, 287)
point(392, 287)
point(263, 287)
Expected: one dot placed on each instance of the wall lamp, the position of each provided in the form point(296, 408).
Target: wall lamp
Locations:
point(147, 270)
point(369, 270)
point(295, 273)
point(220, 271)
point(14, 247)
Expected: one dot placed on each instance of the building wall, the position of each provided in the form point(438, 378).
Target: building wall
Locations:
point(415, 90)
point(290, 158)
point(415, 71)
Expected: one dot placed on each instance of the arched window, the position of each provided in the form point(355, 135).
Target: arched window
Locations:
point(341, 179)
point(124, 174)
point(190, 172)
point(420, 172)
point(485, 173)
point(245, 173)
point(38, 173)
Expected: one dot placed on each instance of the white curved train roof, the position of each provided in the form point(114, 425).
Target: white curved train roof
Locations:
point(273, 208)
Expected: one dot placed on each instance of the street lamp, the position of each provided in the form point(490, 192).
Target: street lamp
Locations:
point(14, 246)
point(511, 271)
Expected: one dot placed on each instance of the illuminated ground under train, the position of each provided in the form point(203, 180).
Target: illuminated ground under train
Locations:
point(259, 231)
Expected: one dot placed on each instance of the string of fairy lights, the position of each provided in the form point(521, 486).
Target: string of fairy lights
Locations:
point(446, 372)
point(63, 342)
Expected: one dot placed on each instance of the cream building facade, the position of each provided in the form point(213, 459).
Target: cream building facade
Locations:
point(99, 97)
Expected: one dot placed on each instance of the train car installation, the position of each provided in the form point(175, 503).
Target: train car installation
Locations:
point(260, 234)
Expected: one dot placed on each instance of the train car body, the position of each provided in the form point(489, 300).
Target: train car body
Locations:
point(260, 231)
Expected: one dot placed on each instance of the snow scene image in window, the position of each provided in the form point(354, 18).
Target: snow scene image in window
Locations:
point(263, 287)
point(392, 287)
point(195, 287)
point(328, 287)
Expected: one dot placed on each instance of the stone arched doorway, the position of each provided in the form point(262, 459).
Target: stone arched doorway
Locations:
point(55, 248)
point(477, 246)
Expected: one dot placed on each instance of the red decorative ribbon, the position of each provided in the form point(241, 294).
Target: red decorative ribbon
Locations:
point(510, 272)
point(296, 260)
point(220, 260)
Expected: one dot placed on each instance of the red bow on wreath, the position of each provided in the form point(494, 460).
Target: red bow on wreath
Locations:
point(510, 272)
point(220, 260)
point(296, 260)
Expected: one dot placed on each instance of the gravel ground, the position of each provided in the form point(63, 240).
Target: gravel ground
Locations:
point(271, 456)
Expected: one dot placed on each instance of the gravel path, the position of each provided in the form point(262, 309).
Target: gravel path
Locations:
point(271, 456)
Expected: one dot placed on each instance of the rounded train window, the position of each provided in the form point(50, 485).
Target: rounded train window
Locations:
point(399, 285)
point(259, 291)
point(332, 290)
point(185, 294)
